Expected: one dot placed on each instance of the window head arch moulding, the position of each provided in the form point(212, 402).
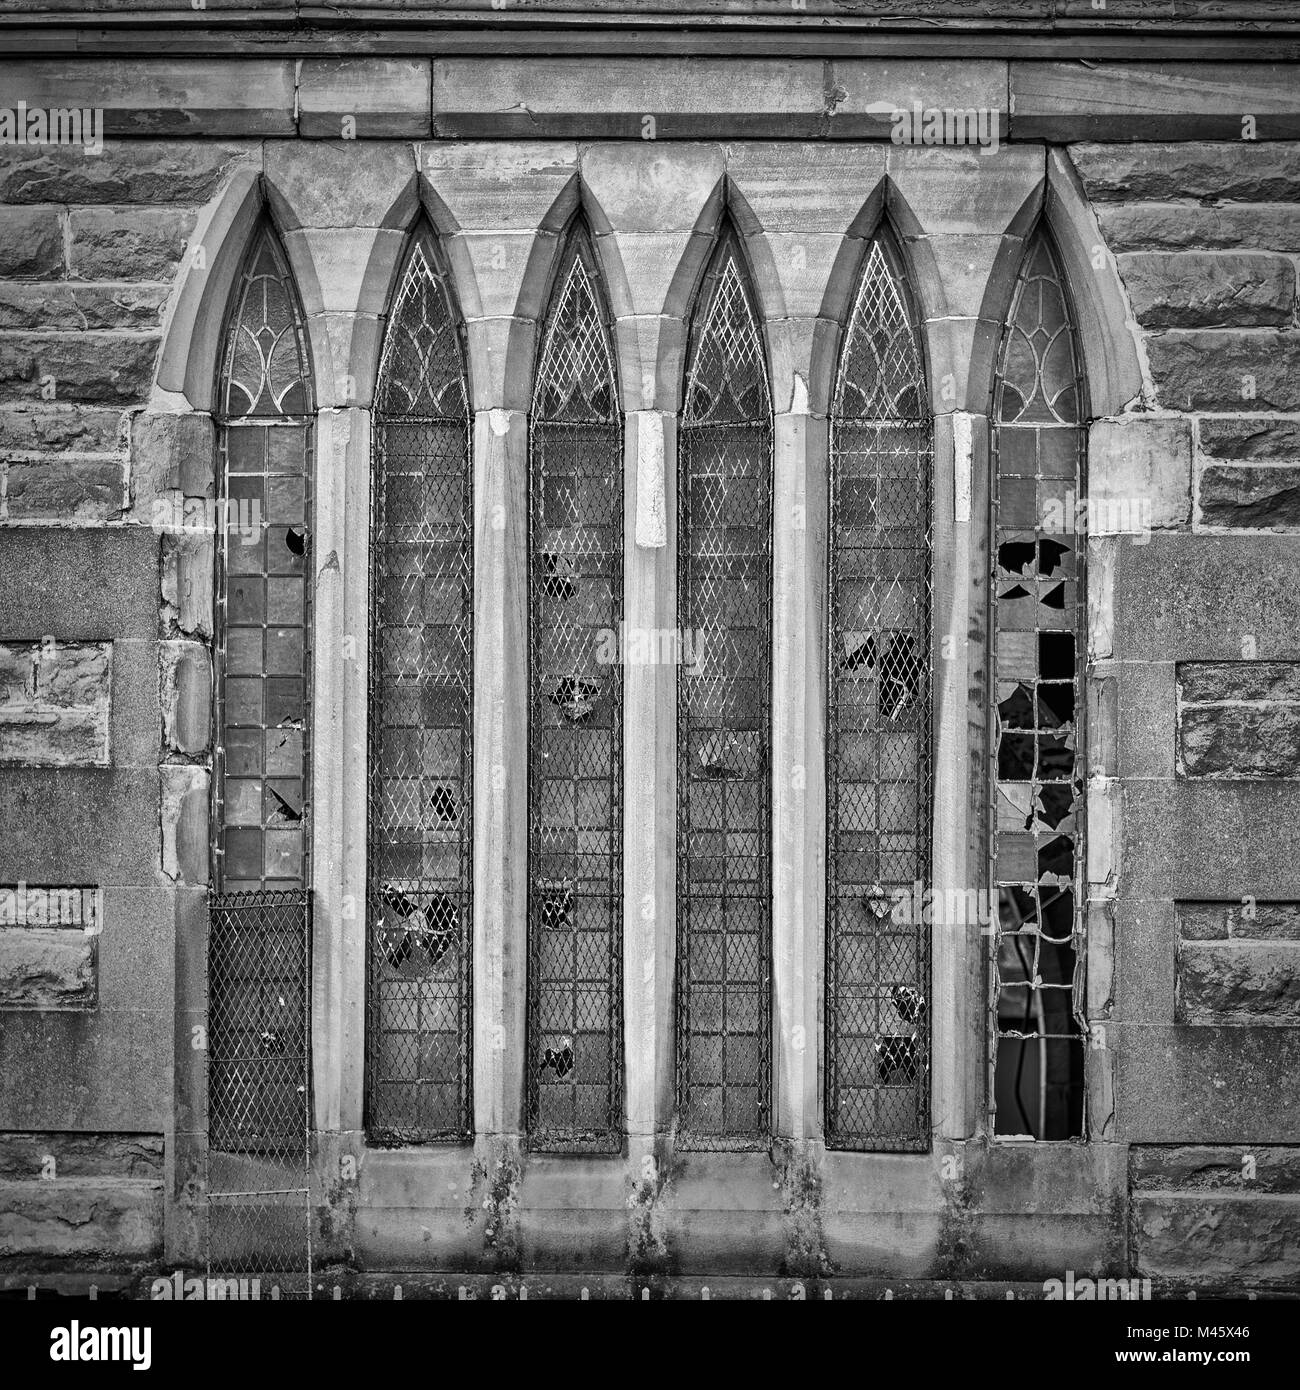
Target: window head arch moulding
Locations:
point(878, 722)
point(259, 930)
point(724, 600)
point(419, 862)
point(574, 1068)
point(1037, 962)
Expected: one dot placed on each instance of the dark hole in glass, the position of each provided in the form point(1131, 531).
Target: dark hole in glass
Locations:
point(1056, 656)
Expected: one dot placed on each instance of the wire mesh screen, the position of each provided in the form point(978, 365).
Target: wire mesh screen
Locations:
point(259, 1113)
point(878, 730)
point(724, 920)
point(1037, 960)
point(575, 1072)
point(421, 662)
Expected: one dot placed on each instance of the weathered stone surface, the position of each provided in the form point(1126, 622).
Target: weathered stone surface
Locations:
point(82, 366)
point(1193, 1167)
point(1250, 173)
point(1250, 439)
point(1239, 719)
point(1216, 1239)
point(187, 569)
point(1207, 290)
point(1200, 369)
point(31, 244)
point(128, 243)
point(171, 453)
point(128, 171)
point(331, 183)
point(65, 305)
point(47, 968)
point(1139, 475)
point(1250, 920)
point(1238, 982)
point(1183, 226)
point(183, 811)
point(343, 98)
point(186, 696)
point(1260, 498)
point(206, 97)
point(119, 1217)
point(56, 707)
point(82, 1155)
point(64, 489)
point(45, 428)
point(1243, 742)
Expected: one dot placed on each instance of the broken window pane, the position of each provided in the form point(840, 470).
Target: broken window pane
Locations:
point(575, 1040)
point(1037, 1003)
point(724, 926)
point(419, 863)
point(878, 754)
point(259, 922)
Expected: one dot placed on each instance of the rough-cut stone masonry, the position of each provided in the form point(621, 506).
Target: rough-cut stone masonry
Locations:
point(54, 703)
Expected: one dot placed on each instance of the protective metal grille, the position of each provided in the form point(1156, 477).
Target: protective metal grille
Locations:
point(421, 663)
point(259, 1021)
point(878, 732)
point(259, 1112)
point(575, 989)
point(1037, 959)
point(724, 598)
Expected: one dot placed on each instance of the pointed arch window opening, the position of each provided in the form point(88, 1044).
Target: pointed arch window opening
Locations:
point(420, 834)
point(878, 754)
point(574, 1080)
point(724, 877)
point(259, 923)
point(1038, 1023)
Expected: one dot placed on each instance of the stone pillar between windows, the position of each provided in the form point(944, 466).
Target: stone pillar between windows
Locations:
point(799, 518)
point(959, 877)
point(500, 768)
point(649, 797)
point(340, 552)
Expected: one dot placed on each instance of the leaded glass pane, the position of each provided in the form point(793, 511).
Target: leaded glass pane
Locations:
point(724, 921)
point(575, 556)
point(878, 730)
point(421, 711)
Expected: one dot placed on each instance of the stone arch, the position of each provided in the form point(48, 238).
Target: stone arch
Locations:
point(1107, 339)
point(190, 360)
point(575, 199)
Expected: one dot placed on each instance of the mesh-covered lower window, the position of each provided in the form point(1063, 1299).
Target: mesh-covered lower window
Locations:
point(1037, 960)
point(878, 789)
point(258, 1040)
point(420, 759)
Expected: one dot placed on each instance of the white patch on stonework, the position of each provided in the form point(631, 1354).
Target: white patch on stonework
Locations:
point(499, 422)
point(799, 402)
point(651, 519)
point(962, 449)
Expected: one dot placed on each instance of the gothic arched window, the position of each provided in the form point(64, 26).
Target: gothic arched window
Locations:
point(724, 601)
point(1037, 996)
point(878, 723)
point(575, 837)
point(257, 947)
point(421, 708)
